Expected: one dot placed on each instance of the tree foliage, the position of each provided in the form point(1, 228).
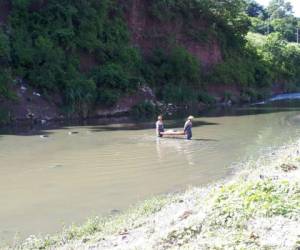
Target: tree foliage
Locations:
point(279, 9)
point(278, 17)
point(49, 37)
point(254, 9)
point(44, 41)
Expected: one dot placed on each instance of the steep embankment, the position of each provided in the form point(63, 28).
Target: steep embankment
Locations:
point(26, 59)
point(149, 33)
point(98, 57)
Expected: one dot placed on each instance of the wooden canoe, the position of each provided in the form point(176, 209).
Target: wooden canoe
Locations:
point(172, 133)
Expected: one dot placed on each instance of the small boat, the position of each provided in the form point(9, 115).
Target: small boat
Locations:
point(172, 133)
point(44, 136)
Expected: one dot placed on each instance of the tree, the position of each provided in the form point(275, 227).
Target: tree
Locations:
point(280, 9)
point(254, 9)
point(286, 27)
point(5, 74)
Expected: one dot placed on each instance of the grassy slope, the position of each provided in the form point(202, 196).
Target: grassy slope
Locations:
point(258, 208)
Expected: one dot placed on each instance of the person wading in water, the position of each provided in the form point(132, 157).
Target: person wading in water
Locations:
point(159, 126)
point(188, 127)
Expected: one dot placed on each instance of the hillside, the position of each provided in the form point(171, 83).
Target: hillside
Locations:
point(64, 59)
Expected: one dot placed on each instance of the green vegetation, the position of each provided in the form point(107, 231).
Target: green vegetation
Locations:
point(237, 203)
point(280, 57)
point(5, 116)
point(175, 76)
point(146, 109)
point(277, 17)
point(82, 50)
point(48, 39)
point(224, 19)
point(5, 78)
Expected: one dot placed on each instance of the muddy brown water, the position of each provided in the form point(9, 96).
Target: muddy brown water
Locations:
point(65, 178)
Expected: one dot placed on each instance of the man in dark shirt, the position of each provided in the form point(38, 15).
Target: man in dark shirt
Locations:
point(188, 127)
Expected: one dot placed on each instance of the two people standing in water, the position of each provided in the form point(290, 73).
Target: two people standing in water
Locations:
point(187, 129)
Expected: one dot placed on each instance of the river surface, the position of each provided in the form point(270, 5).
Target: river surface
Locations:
point(49, 182)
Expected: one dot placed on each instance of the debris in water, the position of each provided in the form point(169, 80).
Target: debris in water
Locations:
point(73, 132)
point(288, 167)
point(23, 88)
point(115, 211)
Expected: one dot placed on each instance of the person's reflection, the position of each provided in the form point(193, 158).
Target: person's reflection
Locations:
point(158, 149)
point(172, 147)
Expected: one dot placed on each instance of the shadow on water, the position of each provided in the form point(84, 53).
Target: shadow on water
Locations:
point(25, 131)
point(127, 123)
point(248, 110)
point(193, 139)
point(148, 125)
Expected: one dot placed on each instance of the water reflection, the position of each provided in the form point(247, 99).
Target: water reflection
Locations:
point(175, 146)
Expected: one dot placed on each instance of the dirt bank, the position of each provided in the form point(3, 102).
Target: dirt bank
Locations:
point(31, 106)
point(148, 33)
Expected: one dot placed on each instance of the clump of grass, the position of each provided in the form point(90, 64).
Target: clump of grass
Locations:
point(236, 203)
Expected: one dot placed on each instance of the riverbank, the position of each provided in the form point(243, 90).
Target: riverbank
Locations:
point(257, 208)
point(29, 107)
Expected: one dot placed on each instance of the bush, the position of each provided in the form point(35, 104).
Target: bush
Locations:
point(4, 48)
point(145, 109)
point(237, 203)
point(47, 37)
point(179, 94)
point(5, 81)
point(206, 98)
point(112, 75)
point(108, 97)
point(253, 95)
point(5, 116)
point(174, 75)
point(80, 94)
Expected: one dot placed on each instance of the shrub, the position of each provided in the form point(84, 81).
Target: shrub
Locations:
point(145, 109)
point(5, 80)
point(179, 94)
point(46, 41)
point(80, 93)
point(206, 98)
point(174, 75)
point(5, 116)
point(108, 97)
point(237, 203)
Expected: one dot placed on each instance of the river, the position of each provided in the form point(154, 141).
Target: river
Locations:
point(66, 177)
